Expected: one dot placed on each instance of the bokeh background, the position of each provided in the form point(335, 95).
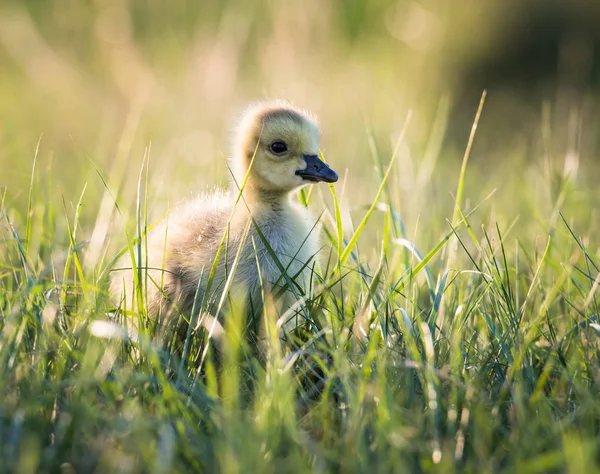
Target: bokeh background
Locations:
point(101, 84)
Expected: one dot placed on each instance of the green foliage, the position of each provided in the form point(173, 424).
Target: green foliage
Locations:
point(489, 365)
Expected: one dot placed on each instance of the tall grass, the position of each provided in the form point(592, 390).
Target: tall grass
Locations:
point(404, 364)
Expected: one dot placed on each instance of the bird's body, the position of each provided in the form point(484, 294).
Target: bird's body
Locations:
point(275, 151)
point(195, 233)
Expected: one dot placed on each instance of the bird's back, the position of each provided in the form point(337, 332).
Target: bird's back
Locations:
point(177, 254)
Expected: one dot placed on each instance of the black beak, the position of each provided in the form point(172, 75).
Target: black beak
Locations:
point(317, 170)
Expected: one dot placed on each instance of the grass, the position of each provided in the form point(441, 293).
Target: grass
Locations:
point(482, 357)
point(453, 323)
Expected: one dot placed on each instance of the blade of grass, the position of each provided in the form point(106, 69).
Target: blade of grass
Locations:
point(30, 199)
point(353, 240)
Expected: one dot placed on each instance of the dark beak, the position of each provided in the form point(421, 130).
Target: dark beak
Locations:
point(317, 170)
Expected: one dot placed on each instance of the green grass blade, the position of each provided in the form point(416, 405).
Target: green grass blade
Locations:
point(353, 240)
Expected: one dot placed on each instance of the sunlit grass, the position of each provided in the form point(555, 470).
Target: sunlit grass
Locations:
point(489, 363)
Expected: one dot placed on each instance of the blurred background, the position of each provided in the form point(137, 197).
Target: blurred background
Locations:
point(109, 82)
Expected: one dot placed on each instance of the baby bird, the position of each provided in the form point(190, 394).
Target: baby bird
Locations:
point(275, 152)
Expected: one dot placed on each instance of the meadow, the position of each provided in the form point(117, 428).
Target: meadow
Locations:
point(453, 324)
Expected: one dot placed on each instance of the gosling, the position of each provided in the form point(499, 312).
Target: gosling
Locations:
point(274, 152)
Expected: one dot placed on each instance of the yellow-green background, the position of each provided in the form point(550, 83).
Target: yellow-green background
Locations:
point(106, 82)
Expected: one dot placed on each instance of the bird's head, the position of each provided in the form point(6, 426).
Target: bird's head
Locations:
point(281, 144)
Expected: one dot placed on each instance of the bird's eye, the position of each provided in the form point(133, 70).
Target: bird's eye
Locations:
point(278, 147)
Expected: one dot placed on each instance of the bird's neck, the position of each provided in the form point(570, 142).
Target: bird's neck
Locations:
point(260, 199)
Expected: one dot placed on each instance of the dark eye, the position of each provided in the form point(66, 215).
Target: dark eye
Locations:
point(278, 147)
